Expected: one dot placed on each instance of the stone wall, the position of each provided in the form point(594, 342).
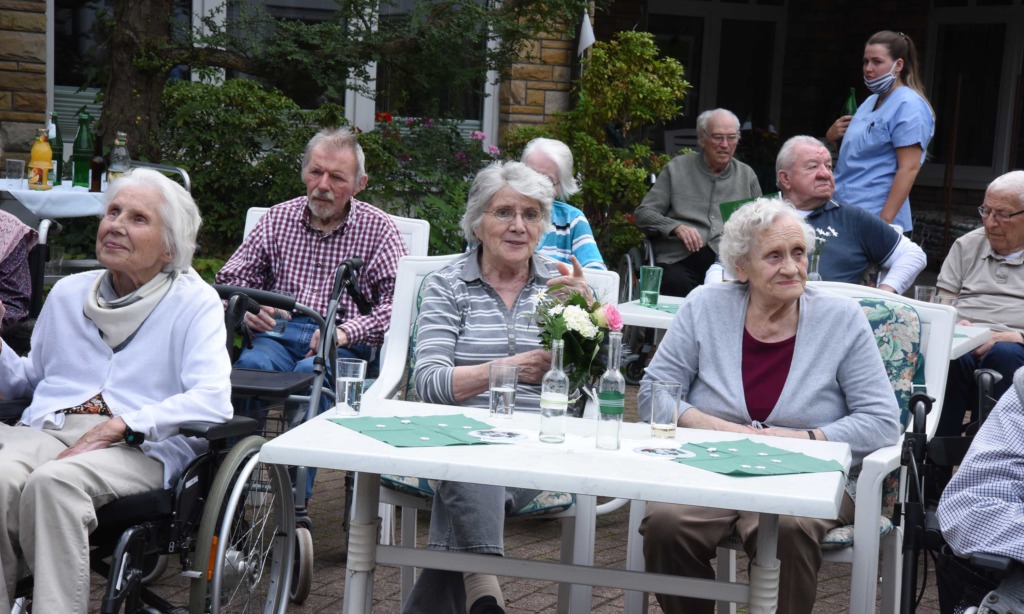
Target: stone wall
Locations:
point(22, 72)
point(539, 85)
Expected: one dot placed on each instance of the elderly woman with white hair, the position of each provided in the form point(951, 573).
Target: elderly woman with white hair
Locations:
point(767, 355)
point(491, 288)
point(120, 359)
point(570, 234)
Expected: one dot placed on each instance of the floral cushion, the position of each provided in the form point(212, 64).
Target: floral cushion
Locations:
point(546, 502)
point(897, 329)
point(842, 537)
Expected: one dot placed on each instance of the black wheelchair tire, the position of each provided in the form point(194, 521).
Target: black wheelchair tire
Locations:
point(302, 573)
point(238, 466)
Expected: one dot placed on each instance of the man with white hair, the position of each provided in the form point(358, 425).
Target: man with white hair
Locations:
point(985, 272)
point(571, 234)
point(854, 241)
point(681, 212)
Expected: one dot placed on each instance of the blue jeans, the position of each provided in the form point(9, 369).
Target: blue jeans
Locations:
point(464, 518)
point(287, 353)
point(1004, 357)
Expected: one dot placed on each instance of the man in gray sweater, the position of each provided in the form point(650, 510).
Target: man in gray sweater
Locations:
point(681, 213)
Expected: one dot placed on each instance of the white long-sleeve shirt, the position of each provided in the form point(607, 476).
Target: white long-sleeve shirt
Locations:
point(174, 370)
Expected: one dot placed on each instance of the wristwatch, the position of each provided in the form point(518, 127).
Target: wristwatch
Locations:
point(133, 439)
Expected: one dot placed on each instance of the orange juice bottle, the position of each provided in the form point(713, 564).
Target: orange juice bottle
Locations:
point(41, 162)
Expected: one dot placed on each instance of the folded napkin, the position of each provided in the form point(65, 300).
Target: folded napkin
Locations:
point(418, 431)
point(743, 458)
point(666, 307)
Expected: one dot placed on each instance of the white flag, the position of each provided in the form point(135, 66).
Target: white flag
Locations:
point(586, 34)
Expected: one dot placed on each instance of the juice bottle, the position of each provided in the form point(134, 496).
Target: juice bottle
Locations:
point(41, 163)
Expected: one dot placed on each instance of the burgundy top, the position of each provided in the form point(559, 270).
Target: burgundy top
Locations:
point(765, 368)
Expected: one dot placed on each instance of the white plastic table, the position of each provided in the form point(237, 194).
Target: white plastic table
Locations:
point(966, 338)
point(60, 202)
point(574, 466)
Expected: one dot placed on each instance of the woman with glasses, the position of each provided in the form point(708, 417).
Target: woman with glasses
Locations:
point(884, 142)
point(681, 212)
point(477, 311)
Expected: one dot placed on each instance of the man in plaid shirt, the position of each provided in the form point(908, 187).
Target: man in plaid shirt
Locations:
point(295, 249)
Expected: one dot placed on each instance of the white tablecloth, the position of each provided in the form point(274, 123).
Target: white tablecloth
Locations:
point(62, 201)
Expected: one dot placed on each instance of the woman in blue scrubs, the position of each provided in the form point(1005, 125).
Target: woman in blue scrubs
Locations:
point(884, 142)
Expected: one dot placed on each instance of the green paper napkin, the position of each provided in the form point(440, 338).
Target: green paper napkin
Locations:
point(666, 307)
point(417, 431)
point(743, 458)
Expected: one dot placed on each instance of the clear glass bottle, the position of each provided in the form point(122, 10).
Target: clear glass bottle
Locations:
point(554, 397)
point(611, 397)
point(120, 161)
point(812, 267)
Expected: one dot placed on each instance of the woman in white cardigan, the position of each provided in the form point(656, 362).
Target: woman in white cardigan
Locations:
point(766, 356)
point(120, 358)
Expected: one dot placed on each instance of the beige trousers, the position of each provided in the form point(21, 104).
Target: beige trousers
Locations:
point(49, 507)
point(682, 540)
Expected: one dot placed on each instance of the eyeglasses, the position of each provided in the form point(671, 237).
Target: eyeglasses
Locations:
point(998, 215)
point(507, 215)
point(722, 138)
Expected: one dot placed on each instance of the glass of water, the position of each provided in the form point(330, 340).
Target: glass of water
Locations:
point(662, 405)
point(281, 318)
point(503, 380)
point(351, 373)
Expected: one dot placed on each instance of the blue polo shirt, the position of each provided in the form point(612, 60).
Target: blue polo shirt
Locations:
point(863, 240)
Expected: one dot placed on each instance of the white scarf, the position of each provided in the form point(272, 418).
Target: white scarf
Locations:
point(118, 318)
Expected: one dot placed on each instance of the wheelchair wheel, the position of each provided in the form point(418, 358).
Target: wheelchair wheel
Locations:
point(154, 567)
point(246, 537)
point(302, 572)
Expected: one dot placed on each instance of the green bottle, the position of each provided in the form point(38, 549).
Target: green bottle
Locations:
point(58, 151)
point(850, 108)
point(81, 153)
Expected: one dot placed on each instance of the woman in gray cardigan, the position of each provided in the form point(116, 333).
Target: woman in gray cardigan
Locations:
point(767, 356)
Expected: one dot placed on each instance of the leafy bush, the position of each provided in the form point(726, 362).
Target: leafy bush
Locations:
point(624, 89)
point(423, 168)
point(242, 146)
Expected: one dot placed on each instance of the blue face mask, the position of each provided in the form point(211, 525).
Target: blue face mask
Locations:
point(882, 84)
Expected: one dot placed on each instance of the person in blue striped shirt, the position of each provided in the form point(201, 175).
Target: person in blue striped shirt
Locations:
point(571, 234)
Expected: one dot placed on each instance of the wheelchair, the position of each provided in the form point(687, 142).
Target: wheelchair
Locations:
point(228, 518)
point(637, 343)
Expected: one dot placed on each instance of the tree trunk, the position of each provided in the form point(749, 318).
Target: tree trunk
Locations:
point(138, 71)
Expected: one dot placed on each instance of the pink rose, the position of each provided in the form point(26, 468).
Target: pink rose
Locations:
point(608, 316)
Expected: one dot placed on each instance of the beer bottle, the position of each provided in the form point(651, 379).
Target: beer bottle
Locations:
point(41, 163)
point(58, 151)
point(120, 162)
point(96, 167)
point(850, 108)
point(81, 153)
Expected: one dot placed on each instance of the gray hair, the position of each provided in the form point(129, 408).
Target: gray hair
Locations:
point(494, 178)
point(1012, 182)
point(559, 153)
point(784, 161)
point(705, 117)
point(336, 140)
point(749, 221)
point(178, 212)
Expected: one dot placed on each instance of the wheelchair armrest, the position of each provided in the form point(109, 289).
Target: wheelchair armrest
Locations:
point(237, 426)
point(993, 562)
point(11, 410)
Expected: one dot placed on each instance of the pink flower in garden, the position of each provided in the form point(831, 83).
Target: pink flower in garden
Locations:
point(460, 156)
point(493, 150)
point(410, 121)
point(476, 134)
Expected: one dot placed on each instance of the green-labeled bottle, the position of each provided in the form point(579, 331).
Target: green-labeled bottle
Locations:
point(81, 153)
point(611, 395)
point(850, 108)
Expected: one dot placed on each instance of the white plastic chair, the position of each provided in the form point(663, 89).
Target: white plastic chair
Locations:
point(937, 325)
point(579, 522)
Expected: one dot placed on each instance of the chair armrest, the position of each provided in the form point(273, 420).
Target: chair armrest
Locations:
point(237, 426)
point(875, 467)
point(394, 355)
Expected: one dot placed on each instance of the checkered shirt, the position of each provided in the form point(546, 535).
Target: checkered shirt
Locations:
point(982, 509)
point(284, 253)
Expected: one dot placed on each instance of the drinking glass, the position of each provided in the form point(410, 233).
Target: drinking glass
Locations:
point(503, 378)
point(281, 318)
point(650, 285)
point(662, 406)
point(351, 373)
point(56, 261)
point(949, 299)
point(924, 293)
point(16, 174)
